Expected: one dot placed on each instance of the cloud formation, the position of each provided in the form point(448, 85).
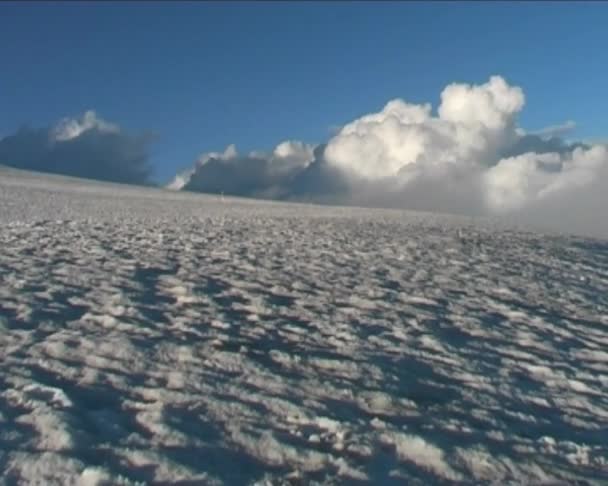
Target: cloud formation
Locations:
point(88, 147)
point(557, 130)
point(257, 174)
point(472, 123)
point(470, 157)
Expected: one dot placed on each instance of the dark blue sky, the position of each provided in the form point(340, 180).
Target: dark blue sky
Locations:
point(203, 75)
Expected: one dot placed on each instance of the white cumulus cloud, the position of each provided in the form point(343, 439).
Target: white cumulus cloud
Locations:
point(467, 156)
point(257, 173)
point(472, 124)
point(87, 146)
point(70, 128)
point(516, 182)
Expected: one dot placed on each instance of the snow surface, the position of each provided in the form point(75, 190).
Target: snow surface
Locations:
point(153, 337)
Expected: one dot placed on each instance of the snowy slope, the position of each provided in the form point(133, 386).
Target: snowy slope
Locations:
point(154, 337)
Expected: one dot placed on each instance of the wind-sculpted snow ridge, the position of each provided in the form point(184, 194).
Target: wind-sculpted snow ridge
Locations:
point(154, 338)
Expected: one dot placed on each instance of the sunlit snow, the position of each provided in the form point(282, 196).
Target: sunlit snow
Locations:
point(154, 337)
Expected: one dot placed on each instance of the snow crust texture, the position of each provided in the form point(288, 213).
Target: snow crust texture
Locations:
point(149, 337)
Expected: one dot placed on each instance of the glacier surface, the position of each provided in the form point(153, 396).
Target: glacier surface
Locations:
point(154, 337)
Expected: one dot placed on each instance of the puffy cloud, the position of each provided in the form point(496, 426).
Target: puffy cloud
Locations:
point(473, 123)
point(183, 178)
point(88, 147)
point(557, 130)
point(492, 105)
point(256, 174)
point(468, 157)
point(517, 182)
point(70, 128)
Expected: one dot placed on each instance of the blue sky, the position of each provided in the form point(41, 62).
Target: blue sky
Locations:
point(204, 75)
